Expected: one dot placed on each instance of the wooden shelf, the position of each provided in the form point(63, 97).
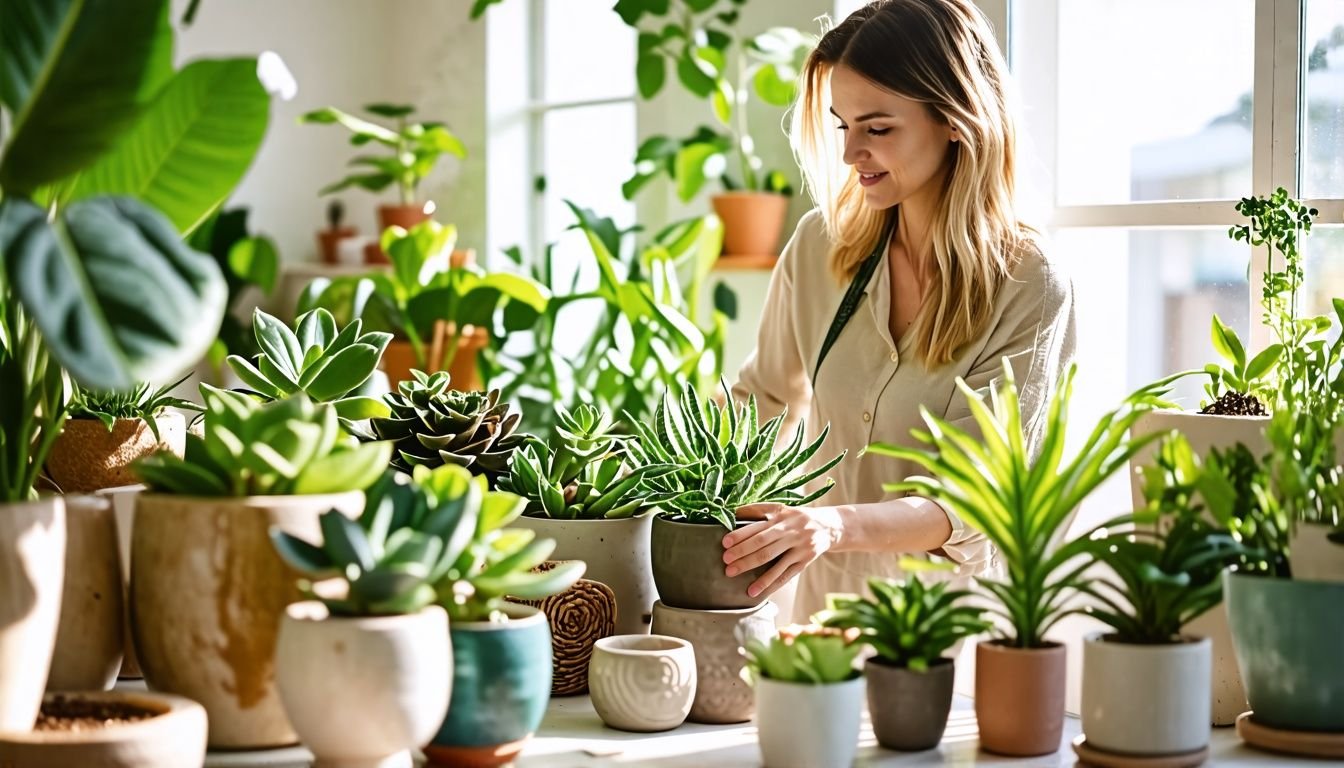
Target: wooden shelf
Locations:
point(765, 262)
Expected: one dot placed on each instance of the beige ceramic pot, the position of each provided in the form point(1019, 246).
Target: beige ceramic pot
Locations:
point(32, 573)
point(642, 683)
point(721, 695)
point(86, 457)
point(1019, 698)
point(89, 641)
point(364, 691)
point(752, 222)
point(1146, 699)
point(207, 595)
point(173, 738)
point(123, 510)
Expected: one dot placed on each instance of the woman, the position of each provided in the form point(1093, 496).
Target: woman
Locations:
point(906, 139)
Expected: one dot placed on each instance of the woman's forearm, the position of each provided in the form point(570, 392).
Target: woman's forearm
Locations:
point(911, 524)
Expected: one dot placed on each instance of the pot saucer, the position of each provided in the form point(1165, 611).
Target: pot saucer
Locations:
point(1303, 743)
point(1089, 755)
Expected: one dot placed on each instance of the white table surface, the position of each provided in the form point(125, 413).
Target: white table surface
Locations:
point(572, 736)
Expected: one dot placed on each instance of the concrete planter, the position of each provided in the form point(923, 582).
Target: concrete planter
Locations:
point(642, 683)
point(1019, 698)
point(173, 738)
point(1146, 699)
point(207, 594)
point(721, 695)
point(1312, 556)
point(362, 692)
point(909, 709)
point(688, 568)
point(805, 726)
point(32, 574)
point(86, 457)
point(90, 637)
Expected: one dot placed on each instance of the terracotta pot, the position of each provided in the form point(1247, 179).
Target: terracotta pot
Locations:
point(363, 691)
point(1314, 557)
point(123, 510)
point(329, 239)
point(90, 637)
point(805, 726)
point(404, 216)
point(688, 568)
point(1146, 699)
point(173, 738)
point(207, 594)
point(617, 554)
point(87, 458)
point(909, 709)
point(642, 683)
point(399, 358)
point(32, 574)
point(1019, 698)
point(752, 222)
point(721, 695)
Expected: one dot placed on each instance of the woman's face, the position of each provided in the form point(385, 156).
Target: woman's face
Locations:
point(897, 146)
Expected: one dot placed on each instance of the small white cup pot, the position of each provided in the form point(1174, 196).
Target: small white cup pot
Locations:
point(1146, 699)
point(806, 726)
point(642, 683)
point(362, 692)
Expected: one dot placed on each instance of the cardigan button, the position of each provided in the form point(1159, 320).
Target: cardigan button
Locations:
point(867, 416)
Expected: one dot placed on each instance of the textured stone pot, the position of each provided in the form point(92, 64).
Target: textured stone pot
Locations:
point(86, 457)
point(173, 738)
point(721, 695)
point(1019, 698)
point(1287, 635)
point(90, 638)
point(805, 726)
point(501, 686)
point(688, 568)
point(32, 574)
point(207, 594)
point(642, 683)
point(752, 222)
point(617, 554)
point(363, 691)
point(909, 709)
point(1314, 557)
point(1146, 699)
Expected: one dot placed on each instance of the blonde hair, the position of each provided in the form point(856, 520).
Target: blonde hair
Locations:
point(941, 53)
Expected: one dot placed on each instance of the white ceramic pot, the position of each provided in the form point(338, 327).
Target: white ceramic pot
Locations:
point(1146, 699)
point(1312, 556)
point(32, 574)
point(642, 682)
point(362, 692)
point(89, 640)
point(806, 726)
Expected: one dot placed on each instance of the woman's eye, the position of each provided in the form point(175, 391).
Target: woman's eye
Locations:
point(842, 127)
point(878, 131)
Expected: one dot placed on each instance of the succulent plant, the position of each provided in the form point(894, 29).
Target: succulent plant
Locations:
point(433, 424)
point(289, 446)
point(908, 623)
point(710, 460)
point(143, 403)
point(582, 474)
point(802, 654)
point(315, 360)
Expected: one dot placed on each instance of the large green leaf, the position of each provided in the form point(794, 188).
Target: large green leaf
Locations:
point(75, 74)
point(192, 146)
point(117, 294)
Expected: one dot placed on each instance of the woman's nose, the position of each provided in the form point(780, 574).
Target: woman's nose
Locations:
point(854, 149)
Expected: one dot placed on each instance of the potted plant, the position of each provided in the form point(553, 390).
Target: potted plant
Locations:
point(207, 588)
point(501, 650)
point(411, 150)
point(364, 666)
point(809, 697)
point(910, 625)
point(1020, 677)
point(329, 239)
point(708, 461)
point(1146, 682)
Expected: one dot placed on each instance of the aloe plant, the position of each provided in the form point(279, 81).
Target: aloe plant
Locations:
point(582, 474)
point(1020, 501)
point(316, 360)
point(290, 446)
point(802, 654)
point(709, 460)
point(145, 403)
point(909, 624)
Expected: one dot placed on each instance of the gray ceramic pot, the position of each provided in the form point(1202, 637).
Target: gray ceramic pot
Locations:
point(909, 709)
point(688, 568)
point(721, 695)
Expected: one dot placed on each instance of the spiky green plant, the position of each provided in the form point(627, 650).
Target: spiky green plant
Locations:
point(145, 403)
point(711, 460)
point(802, 654)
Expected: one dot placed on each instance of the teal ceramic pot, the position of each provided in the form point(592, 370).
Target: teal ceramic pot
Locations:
point(1287, 638)
point(501, 686)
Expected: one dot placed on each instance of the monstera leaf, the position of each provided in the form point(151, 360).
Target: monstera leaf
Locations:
point(117, 295)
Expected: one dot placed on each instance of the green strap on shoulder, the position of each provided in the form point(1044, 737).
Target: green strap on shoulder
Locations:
point(853, 295)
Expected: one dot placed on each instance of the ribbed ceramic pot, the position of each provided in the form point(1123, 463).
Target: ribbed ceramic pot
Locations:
point(207, 595)
point(32, 575)
point(909, 709)
point(688, 568)
point(363, 691)
point(642, 683)
point(1019, 698)
point(90, 638)
point(806, 726)
point(1146, 699)
point(1287, 634)
point(501, 686)
point(617, 554)
point(87, 457)
point(721, 695)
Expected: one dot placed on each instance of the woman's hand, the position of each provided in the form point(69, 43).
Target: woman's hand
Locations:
point(795, 535)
